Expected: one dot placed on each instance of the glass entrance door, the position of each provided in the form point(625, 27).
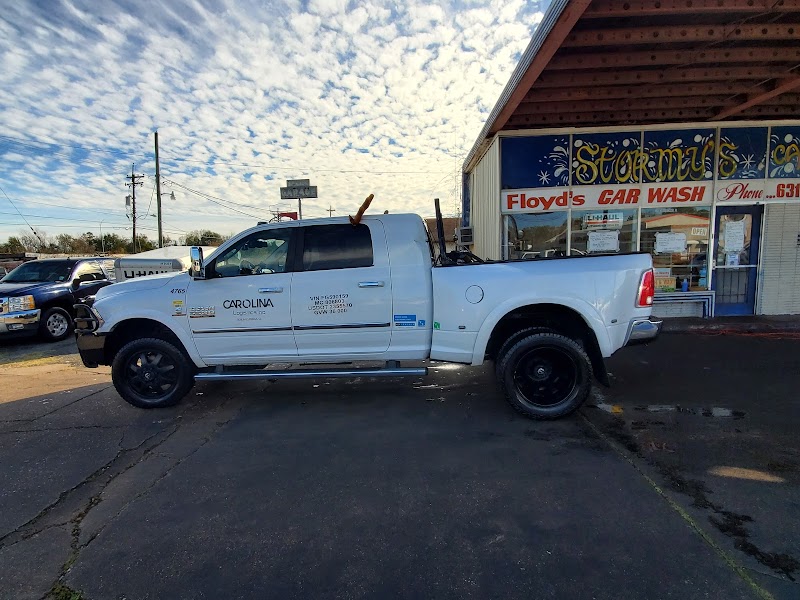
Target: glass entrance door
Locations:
point(736, 243)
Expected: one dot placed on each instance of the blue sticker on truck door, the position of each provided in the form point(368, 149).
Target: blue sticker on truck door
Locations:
point(405, 320)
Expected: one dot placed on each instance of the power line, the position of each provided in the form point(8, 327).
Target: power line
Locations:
point(20, 214)
point(117, 227)
point(65, 226)
point(175, 227)
point(24, 142)
point(105, 211)
point(211, 198)
point(98, 210)
point(29, 152)
point(46, 217)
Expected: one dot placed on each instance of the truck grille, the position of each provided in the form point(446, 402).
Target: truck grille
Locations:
point(3, 306)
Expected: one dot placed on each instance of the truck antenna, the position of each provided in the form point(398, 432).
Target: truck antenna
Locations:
point(443, 258)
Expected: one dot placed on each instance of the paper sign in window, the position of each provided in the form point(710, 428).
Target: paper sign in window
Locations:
point(734, 236)
point(603, 241)
point(670, 243)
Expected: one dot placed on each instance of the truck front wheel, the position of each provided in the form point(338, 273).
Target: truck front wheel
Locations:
point(55, 325)
point(151, 373)
point(545, 375)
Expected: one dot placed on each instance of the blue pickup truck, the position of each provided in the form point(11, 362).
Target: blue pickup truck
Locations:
point(38, 296)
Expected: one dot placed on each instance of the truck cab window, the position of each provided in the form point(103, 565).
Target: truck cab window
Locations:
point(88, 271)
point(260, 253)
point(328, 247)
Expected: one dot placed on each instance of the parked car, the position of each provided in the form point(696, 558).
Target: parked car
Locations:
point(325, 291)
point(38, 296)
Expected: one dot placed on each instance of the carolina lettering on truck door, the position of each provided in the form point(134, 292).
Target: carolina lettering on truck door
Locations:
point(342, 291)
point(241, 311)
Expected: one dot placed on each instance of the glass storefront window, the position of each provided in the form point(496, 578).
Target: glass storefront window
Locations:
point(603, 231)
point(537, 235)
point(677, 238)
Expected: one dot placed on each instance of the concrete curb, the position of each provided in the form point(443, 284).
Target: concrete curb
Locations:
point(760, 324)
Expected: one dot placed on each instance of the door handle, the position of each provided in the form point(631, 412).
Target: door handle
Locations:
point(366, 284)
point(275, 290)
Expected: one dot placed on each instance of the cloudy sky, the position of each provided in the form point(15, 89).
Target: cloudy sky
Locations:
point(360, 97)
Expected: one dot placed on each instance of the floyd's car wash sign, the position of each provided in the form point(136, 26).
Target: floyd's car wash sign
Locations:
point(660, 168)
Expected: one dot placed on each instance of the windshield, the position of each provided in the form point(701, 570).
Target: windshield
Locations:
point(39, 271)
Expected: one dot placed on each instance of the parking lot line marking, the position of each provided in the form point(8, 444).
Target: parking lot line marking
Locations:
point(740, 570)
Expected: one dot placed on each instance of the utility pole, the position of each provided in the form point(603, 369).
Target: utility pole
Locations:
point(158, 196)
point(134, 181)
point(330, 210)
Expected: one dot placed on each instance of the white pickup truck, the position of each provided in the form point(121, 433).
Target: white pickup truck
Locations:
point(319, 292)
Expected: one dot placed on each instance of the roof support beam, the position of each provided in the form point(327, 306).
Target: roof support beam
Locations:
point(630, 91)
point(660, 58)
point(665, 76)
point(781, 86)
point(668, 8)
point(566, 21)
point(638, 103)
point(633, 117)
point(627, 36)
point(608, 117)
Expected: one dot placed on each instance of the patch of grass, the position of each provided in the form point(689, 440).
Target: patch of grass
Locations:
point(62, 592)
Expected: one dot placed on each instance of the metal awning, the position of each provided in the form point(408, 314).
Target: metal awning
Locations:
point(635, 62)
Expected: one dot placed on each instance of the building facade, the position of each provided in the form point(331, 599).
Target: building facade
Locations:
point(671, 129)
point(717, 206)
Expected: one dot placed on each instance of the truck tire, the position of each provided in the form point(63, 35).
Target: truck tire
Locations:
point(545, 375)
point(55, 325)
point(151, 373)
point(513, 339)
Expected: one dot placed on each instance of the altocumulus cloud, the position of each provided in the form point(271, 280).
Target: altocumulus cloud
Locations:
point(361, 97)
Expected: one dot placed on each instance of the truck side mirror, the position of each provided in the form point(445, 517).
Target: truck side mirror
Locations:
point(198, 269)
point(76, 283)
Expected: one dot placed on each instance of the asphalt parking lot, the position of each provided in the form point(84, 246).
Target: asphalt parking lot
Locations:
point(680, 481)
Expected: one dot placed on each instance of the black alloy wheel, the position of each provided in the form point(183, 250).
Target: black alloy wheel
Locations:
point(152, 373)
point(545, 375)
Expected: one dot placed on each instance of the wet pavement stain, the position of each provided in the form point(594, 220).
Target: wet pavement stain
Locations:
point(782, 563)
point(714, 411)
point(616, 430)
point(733, 525)
point(729, 523)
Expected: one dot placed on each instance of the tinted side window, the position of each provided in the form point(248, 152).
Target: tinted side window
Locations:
point(259, 253)
point(89, 271)
point(337, 247)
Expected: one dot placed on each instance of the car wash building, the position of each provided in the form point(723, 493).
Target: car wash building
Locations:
point(668, 127)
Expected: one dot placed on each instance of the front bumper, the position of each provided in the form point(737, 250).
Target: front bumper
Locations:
point(24, 322)
point(92, 348)
point(643, 330)
point(91, 345)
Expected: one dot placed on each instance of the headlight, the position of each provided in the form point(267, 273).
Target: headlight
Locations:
point(20, 303)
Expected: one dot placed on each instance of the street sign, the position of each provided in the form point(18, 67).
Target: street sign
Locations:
point(297, 189)
point(295, 192)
